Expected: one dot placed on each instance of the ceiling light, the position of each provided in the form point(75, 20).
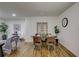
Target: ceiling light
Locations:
point(13, 14)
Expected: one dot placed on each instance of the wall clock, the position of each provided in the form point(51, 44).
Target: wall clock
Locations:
point(64, 22)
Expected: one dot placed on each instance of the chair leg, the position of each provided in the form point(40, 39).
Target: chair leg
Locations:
point(50, 47)
point(34, 52)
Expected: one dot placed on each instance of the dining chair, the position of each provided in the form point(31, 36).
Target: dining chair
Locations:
point(50, 43)
point(37, 42)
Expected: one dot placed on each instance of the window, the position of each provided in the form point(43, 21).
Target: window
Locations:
point(42, 27)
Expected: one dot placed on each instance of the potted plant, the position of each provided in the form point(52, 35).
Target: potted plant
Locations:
point(3, 29)
point(56, 32)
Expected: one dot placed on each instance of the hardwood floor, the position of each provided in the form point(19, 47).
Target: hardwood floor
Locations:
point(27, 50)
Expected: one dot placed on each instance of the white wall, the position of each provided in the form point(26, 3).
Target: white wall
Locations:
point(32, 25)
point(69, 36)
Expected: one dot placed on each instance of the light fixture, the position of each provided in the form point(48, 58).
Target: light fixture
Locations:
point(13, 14)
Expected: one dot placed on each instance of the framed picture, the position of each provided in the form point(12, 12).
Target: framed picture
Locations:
point(17, 27)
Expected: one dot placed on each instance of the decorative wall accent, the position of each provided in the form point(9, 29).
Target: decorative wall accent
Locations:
point(17, 27)
point(64, 22)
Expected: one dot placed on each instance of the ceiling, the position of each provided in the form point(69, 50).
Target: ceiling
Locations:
point(24, 9)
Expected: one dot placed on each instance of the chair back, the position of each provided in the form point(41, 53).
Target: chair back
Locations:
point(50, 40)
point(36, 39)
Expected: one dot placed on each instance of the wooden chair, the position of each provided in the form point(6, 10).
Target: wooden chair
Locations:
point(37, 42)
point(50, 42)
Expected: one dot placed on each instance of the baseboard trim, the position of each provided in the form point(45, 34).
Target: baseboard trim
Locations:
point(68, 51)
